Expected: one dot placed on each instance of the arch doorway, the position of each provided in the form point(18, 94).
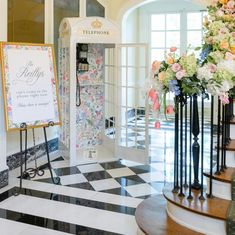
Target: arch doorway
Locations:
point(161, 24)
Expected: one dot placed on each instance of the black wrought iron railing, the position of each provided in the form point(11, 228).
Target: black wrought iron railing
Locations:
point(189, 150)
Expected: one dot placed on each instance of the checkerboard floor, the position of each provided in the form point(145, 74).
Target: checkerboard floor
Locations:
point(124, 177)
point(120, 177)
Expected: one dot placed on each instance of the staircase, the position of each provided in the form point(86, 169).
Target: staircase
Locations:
point(185, 210)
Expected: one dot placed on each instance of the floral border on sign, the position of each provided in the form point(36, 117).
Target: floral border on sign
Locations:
point(11, 124)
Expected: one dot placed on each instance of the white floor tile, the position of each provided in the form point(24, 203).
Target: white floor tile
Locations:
point(152, 176)
point(72, 179)
point(90, 168)
point(46, 175)
point(82, 193)
point(119, 172)
point(75, 214)
point(140, 190)
point(105, 184)
point(158, 166)
point(130, 163)
point(60, 164)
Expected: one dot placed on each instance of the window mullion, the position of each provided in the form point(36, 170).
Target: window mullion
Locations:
point(183, 32)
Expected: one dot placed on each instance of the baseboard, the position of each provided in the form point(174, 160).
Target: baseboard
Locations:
point(13, 161)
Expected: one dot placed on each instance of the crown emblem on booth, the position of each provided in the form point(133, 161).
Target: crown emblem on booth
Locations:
point(96, 24)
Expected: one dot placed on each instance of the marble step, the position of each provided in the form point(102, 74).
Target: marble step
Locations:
point(152, 219)
point(221, 184)
point(193, 213)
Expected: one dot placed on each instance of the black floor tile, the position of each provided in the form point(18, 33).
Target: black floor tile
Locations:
point(142, 169)
point(46, 180)
point(58, 159)
point(112, 165)
point(67, 171)
point(144, 197)
point(99, 175)
point(129, 180)
point(117, 191)
point(85, 185)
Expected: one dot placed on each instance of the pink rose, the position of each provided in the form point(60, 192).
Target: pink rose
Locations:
point(180, 74)
point(233, 34)
point(213, 68)
point(229, 56)
point(173, 49)
point(219, 13)
point(156, 106)
point(169, 109)
point(157, 125)
point(223, 30)
point(230, 4)
point(214, 3)
point(153, 95)
point(156, 65)
point(224, 99)
point(176, 67)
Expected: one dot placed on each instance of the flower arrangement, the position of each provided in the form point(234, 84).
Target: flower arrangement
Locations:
point(177, 75)
point(217, 62)
point(213, 73)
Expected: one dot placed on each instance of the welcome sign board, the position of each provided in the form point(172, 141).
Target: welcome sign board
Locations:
point(29, 85)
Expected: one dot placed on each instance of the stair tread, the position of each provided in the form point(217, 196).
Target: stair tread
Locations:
point(212, 207)
point(225, 176)
point(231, 146)
point(152, 219)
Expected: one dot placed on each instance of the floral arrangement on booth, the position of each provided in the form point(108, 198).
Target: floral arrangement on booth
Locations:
point(175, 74)
point(217, 70)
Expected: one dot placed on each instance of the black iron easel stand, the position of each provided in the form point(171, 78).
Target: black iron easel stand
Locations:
point(30, 173)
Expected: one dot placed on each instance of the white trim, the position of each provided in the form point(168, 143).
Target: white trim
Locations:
point(49, 22)
point(104, 4)
point(82, 9)
point(131, 5)
point(3, 20)
point(199, 223)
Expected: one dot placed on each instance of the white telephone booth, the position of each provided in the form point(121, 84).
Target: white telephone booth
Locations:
point(101, 92)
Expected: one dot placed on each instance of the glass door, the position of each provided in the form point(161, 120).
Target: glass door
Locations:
point(110, 98)
point(132, 138)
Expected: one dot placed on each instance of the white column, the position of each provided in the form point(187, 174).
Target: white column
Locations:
point(3, 37)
